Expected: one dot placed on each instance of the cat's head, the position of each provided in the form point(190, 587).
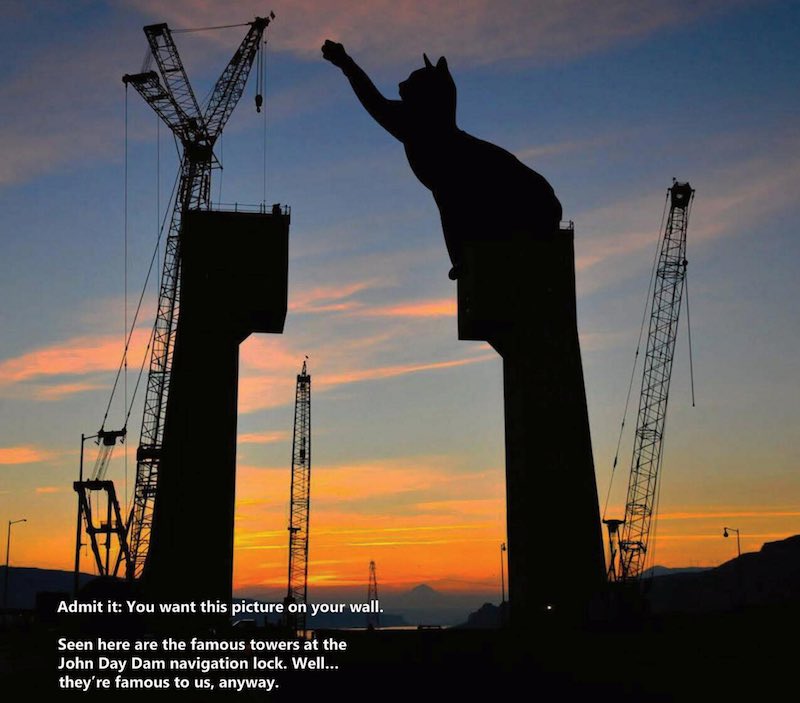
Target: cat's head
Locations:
point(430, 91)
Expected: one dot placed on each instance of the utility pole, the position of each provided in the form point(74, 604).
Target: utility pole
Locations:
point(8, 551)
point(502, 574)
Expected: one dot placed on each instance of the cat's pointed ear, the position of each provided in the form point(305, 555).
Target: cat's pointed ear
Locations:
point(441, 64)
point(428, 63)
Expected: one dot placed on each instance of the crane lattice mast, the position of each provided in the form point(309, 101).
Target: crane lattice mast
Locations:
point(197, 131)
point(297, 590)
point(670, 275)
point(373, 618)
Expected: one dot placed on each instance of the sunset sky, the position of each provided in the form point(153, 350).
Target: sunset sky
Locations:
point(609, 101)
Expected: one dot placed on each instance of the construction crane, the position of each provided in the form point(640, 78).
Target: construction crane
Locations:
point(169, 93)
point(629, 538)
point(297, 589)
point(373, 618)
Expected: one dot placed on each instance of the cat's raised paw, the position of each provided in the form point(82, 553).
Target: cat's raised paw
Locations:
point(334, 52)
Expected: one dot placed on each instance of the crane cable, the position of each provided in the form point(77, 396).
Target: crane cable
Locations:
point(261, 88)
point(135, 319)
point(125, 286)
point(207, 29)
point(636, 355)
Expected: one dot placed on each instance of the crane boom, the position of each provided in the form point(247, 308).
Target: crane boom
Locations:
point(297, 589)
point(648, 446)
point(149, 86)
point(230, 86)
point(170, 66)
point(174, 101)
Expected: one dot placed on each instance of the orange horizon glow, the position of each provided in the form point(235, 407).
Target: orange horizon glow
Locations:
point(425, 546)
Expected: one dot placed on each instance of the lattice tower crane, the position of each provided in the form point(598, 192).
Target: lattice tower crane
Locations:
point(629, 538)
point(169, 93)
point(299, 507)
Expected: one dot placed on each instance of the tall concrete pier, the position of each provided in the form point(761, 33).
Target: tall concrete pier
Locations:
point(520, 297)
point(233, 283)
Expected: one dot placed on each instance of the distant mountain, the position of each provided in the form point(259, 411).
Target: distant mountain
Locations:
point(352, 620)
point(423, 591)
point(669, 570)
point(25, 582)
point(488, 616)
point(423, 605)
point(770, 576)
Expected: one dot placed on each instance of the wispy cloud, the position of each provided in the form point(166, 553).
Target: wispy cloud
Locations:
point(23, 454)
point(437, 307)
point(78, 356)
point(263, 437)
point(544, 151)
point(730, 202)
point(81, 72)
point(329, 298)
point(269, 365)
point(391, 371)
point(478, 31)
point(64, 390)
point(715, 536)
point(731, 514)
point(49, 489)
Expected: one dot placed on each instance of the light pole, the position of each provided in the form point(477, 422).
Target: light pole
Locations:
point(726, 530)
point(78, 528)
point(8, 549)
point(502, 575)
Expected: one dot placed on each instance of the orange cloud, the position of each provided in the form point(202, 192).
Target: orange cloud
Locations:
point(263, 437)
point(440, 307)
point(371, 480)
point(49, 489)
point(23, 455)
point(477, 507)
point(76, 356)
point(716, 536)
point(391, 371)
point(269, 367)
point(328, 298)
point(718, 515)
point(406, 528)
point(67, 389)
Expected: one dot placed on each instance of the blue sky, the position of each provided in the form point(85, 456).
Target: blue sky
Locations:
point(608, 102)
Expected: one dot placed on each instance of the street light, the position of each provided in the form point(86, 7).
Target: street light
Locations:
point(502, 574)
point(78, 528)
point(8, 550)
point(725, 531)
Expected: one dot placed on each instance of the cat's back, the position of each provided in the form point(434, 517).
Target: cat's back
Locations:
point(481, 172)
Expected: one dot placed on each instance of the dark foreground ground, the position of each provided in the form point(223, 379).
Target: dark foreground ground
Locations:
point(743, 655)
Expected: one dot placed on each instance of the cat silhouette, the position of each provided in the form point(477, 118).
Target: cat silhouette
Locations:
point(483, 192)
